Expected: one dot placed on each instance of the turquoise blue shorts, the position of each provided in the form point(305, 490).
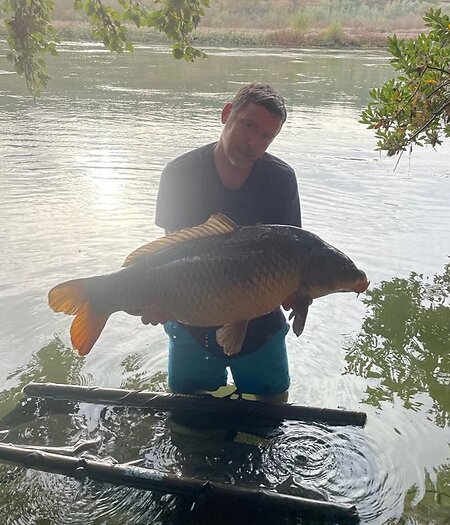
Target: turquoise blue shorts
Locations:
point(191, 367)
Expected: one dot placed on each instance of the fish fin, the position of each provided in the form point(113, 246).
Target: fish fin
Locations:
point(231, 337)
point(217, 224)
point(300, 312)
point(86, 329)
point(71, 298)
point(289, 302)
point(68, 297)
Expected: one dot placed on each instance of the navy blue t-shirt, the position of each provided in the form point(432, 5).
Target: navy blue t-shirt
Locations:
point(191, 191)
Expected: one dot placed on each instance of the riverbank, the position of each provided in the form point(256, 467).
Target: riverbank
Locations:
point(333, 36)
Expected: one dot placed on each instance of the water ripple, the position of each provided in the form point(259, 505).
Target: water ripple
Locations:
point(344, 464)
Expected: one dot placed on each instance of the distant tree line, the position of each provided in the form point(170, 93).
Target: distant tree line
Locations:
point(277, 14)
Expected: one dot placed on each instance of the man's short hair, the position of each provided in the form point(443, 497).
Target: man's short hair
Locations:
point(263, 95)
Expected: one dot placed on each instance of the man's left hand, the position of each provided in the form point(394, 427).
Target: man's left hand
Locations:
point(151, 314)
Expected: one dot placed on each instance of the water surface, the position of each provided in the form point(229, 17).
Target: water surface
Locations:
point(79, 174)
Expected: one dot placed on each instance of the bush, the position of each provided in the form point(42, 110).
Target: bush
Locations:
point(334, 34)
point(301, 21)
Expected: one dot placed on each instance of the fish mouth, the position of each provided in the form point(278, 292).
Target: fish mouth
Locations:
point(359, 287)
point(362, 285)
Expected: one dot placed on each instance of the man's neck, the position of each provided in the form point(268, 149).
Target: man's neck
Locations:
point(232, 178)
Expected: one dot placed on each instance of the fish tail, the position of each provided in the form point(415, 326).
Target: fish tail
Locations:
point(86, 329)
point(71, 298)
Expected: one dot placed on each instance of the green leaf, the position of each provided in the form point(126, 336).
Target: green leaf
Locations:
point(411, 109)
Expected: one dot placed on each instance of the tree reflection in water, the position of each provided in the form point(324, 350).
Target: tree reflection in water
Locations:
point(404, 346)
point(52, 363)
point(404, 343)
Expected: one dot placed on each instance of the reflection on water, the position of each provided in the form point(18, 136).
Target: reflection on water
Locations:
point(53, 363)
point(338, 464)
point(433, 504)
point(403, 349)
point(79, 174)
point(404, 343)
point(298, 459)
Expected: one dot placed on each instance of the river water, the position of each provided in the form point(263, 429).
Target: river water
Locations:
point(79, 174)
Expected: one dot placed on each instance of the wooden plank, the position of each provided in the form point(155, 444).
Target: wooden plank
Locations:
point(195, 403)
point(149, 479)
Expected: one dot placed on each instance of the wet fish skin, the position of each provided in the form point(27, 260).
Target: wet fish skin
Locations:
point(212, 275)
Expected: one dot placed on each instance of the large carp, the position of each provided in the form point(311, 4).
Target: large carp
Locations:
point(215, 274)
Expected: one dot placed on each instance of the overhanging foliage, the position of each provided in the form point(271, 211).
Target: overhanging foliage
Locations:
point(414, 108)
point(31, 35)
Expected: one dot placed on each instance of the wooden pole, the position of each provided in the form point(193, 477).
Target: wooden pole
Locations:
point(194, 403)
point(149, 479)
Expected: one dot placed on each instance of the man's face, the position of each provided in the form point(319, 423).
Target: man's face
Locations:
point(247, 134)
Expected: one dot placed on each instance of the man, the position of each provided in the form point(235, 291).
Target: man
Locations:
point(236, 177)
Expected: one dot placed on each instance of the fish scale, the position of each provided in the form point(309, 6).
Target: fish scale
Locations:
point(227, 288)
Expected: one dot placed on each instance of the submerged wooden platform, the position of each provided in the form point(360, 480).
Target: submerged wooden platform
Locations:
point(67, 460)
point(149, 479)
point(195, 403)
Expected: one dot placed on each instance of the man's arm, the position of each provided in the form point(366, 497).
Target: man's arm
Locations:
point(291, 213)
